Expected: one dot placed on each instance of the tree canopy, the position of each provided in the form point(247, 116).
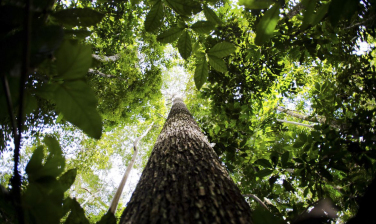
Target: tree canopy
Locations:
point(284, 88)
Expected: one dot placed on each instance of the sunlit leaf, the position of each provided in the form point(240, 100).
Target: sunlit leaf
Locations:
point(203, 27)
point(73, 60)
point(154, 18)
point(265, 27)
point(211, 16)
point(222, 49)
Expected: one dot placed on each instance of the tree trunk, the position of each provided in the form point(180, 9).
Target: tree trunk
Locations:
point(184, 181)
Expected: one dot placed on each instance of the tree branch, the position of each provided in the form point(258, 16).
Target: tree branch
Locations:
point(296, 123)
point(256, 199)
point(106, 58)
point(96, 72)
point(115, 200)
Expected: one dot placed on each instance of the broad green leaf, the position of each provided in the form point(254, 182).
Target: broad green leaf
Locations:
point(217, 63)
point(263, 173)
point(201, 71)
point(203, 27)
point(77, 103)
point(183, 7)
point(66, 180)
point(35, 162)
point(303, 137)
point(264, 163)
point(222, 49)
point(298, 144)
point(108, 218)
point(308, 15)
point(77, 214)
point(262, 216)
point(185, 45)
point(73, 60)
point(154, 18)
point(55, 161)
point(170, 35)
point(78, 16)
point(320, 14)
point(256, 4)
point(265, 27)
point(211, 16)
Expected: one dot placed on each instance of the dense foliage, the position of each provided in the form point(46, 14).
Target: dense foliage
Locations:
point(281, 87)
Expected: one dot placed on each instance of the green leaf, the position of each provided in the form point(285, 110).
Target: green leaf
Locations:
point(262, 216)
point(287, 186)
point(78, 16)
point(201, 71)
point(265, 27)
point(35, 162)
point(217, 63)
point(222, 49)
point(263, 162)
point(77, 214)
point(73, 60)
point(298, 144)
point(78, 104)
point(170, 35)
point(67, 179)
point(183, 7)
point(55, 162)
point(285, 158)
point(108, 218)
point(154, 18)
point(185, 45)
point(320, 14)
point(326, 174)
point(211, 16)
point(256, 4)
point(303, 137)
point(203, 27)
point(263, 173)
point(308, 15)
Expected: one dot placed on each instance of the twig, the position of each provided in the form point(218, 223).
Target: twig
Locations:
point(10, 106)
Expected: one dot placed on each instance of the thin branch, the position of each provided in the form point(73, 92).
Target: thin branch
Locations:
point(106, 58)
point(161, 116)
point(296, 123)
point(96, 72)
point(115, 200)
point(361, 23)
point(10, 106)
point(256, 199)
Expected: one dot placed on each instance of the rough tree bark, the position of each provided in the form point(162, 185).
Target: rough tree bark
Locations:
point(184, 181)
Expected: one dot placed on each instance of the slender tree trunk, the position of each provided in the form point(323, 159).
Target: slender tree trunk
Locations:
point(184, 181)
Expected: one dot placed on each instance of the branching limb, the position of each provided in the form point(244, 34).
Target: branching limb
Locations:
point(106, 58)
point(96, 72)
point(296, 123)
point(115, 200)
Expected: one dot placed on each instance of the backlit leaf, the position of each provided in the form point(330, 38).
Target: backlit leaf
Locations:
point(185, 45)
point(222, 49)
point(77, 103)
point(265, 28)
point(67, 179)
point(201, 71)
point(263, 173)
point(211, 16)
point(170, 35)
point(264, 163)
point(217, 63)
point(154, 18)
point(203, 27)
point(256, 4)
point(78, 16)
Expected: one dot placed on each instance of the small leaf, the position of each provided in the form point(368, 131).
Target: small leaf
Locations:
point(272, 180)
point(78, 16)
point(108, 218)
point(78, 104)
point(201, 71)
point(203, 27)
point(263, 173)
point(67, 179)
point(221, 50)
point(55, 162)
point(285, 158)
point(77, 214)
point(211, 16)
point(326, 174)
point(185, 45)
point(265, 27)
point(303, 137)
point(256, 4)
point(288, 186)
point(170, 35)
point(154, 18)
point(217, 63)
point(298, 144)
point(262, 216)
point(73, 60)
point(263, 162)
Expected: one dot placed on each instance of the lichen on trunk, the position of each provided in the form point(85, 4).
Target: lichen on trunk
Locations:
point(184, 180)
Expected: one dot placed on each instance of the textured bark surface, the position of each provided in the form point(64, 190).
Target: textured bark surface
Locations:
point(184, 181)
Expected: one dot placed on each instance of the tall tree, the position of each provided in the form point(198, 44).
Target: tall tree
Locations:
point(184, 181)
